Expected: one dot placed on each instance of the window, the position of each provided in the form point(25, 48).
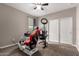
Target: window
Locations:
point(30, 23)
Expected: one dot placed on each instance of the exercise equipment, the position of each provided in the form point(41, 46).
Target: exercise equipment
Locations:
point(28, 43)
point(43, 36)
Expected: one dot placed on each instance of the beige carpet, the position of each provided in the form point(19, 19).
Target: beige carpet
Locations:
point(51, 50)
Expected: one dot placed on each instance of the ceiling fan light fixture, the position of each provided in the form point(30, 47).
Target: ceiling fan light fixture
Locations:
point(38, 7)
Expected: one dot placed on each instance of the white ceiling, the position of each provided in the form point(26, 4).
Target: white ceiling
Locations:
point(51, 8)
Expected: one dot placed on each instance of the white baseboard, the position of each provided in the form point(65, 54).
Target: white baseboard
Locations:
point(77, 46)
point(49, 42)
point(8, 46)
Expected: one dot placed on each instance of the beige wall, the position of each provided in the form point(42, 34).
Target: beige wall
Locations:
point(71, 12)
point(77, 25)
point(12, 25)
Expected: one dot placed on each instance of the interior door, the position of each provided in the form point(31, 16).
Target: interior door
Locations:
point(66, 30)
point(53, 30)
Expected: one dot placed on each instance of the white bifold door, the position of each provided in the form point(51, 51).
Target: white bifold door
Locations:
point(66, 30)
point(61, 30)
point(54, 30)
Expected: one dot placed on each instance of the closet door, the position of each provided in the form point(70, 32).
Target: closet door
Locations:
point(53, 30)
point(66, 30)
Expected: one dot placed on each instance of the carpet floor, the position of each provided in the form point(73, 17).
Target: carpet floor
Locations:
point(50, 50)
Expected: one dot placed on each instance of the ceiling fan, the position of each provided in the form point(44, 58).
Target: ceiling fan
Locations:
point(40, 6)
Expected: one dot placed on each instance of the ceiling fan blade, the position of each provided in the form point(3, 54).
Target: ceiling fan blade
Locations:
point(35, 8)
point(42, 8)
point(45, 4)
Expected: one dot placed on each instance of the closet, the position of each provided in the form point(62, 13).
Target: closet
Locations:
point(61, 30)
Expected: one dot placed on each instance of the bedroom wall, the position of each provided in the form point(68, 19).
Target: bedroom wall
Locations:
point(13, 23)
point(77, 25)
